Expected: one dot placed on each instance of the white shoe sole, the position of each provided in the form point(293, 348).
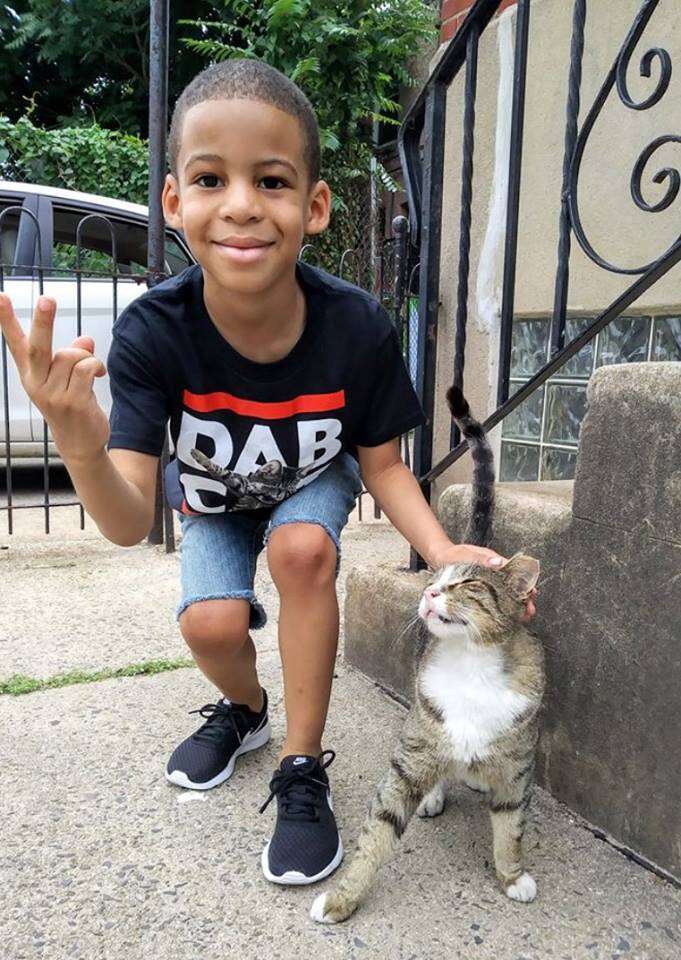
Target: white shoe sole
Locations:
point(294, 877)
point(250, 742)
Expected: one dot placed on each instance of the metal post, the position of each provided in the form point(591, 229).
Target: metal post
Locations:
point(400, 228)
point(513, 204)
point(465, 220)
point(429, 289)
point(159, 18)
point(563, 269)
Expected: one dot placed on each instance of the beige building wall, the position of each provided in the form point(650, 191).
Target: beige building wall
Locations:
point(618, 230)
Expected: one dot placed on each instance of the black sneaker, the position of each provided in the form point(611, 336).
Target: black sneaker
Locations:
point(207, 758)
point(306, 845)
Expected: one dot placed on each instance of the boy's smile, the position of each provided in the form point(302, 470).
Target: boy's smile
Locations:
point(243, 197)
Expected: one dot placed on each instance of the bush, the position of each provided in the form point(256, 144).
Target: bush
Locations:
point(90, 159)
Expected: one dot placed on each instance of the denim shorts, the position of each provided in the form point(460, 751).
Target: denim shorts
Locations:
point(219, 550)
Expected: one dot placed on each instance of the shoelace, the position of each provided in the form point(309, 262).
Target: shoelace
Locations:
point(298, 790)
point(218, 716)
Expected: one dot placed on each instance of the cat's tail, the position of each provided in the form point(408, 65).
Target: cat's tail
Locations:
point(479, 530)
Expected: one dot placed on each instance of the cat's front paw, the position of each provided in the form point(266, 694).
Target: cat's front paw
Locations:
point(524, 889)
point(433, 803)
point(328, 908)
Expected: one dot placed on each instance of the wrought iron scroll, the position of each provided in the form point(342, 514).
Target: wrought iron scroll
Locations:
point(617, 76)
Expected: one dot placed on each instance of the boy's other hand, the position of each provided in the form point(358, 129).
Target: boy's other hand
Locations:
point(60, 385)
point(468, 553)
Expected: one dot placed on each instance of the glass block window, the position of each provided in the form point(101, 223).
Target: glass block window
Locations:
point(666, 338)
point(540, 438)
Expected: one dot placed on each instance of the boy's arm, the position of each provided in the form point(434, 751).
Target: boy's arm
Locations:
point(117, 489)
point(396, 489)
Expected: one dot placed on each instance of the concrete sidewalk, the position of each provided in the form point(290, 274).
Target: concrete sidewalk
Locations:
point(101, 858)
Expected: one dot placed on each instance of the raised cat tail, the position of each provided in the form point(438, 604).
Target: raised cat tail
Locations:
point(479, 530)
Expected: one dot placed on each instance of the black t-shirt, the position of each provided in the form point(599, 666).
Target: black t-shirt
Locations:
point(266, 428)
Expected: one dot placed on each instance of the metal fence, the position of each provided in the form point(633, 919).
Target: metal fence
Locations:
point(35, 274)
point(13, 274)
point(421, 144)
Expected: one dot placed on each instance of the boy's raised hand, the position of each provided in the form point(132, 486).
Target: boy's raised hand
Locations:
point(60, 385)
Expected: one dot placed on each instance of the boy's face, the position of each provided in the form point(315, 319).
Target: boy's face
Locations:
point(242, 195)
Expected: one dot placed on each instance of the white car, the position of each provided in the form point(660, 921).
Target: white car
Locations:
point(58, 213)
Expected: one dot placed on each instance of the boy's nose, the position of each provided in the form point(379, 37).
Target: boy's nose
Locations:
point(241, 204)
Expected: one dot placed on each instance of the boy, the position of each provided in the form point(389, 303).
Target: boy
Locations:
point(280, 375)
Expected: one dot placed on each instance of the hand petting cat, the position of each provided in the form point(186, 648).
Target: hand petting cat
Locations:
point(468, 553)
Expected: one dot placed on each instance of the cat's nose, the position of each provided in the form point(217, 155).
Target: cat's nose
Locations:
point(431, 592)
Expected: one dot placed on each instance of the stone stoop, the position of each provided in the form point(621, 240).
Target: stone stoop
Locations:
point(608, 613)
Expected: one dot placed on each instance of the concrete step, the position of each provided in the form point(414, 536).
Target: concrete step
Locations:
point(527, 513)
point(549, 489)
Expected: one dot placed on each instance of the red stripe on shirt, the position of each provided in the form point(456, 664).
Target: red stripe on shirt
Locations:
point(306, 403)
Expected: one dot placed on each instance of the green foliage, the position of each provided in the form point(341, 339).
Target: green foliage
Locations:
point(83, 61)
point(19, 683)
point(349, 58)
point(90, 159)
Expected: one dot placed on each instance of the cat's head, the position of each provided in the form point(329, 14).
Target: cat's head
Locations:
point(272, 470)
point(478, 603)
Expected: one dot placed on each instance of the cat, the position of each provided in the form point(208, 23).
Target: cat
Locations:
point(478, 691)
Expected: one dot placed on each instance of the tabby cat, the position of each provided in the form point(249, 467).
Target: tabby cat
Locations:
point(479, 687)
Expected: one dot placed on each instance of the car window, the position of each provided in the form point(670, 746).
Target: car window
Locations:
point(96, 246)
point(176, 258)
point(9, 229)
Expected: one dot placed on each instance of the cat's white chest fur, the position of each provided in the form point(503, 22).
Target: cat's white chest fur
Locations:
point(467, 683)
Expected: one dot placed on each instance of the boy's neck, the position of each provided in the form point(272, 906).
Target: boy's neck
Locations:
point(263, 328)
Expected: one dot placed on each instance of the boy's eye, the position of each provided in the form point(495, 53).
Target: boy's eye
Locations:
point(207, 180)
point(269, 181)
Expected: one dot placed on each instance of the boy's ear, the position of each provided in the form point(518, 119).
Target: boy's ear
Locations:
point(172, 206)
point(318, 208)
point(521, 573)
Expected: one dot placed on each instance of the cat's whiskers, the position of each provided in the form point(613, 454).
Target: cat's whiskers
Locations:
point(409, 626)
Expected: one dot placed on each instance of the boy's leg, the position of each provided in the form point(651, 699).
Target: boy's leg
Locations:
point(302, 560)
point(216, 632)
point(303, 544)
point(218, 605)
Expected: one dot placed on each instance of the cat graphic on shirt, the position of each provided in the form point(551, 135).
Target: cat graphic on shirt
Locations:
point(266, 486)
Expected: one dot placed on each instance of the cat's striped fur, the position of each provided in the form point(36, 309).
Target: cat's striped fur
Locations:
point(479, 530)
point(479, 687)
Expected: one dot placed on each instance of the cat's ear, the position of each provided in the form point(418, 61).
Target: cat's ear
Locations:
point(521, 573)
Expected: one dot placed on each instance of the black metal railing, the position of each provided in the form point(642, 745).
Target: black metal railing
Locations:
point(425, 124)
point(39, 273)
point(387, 285)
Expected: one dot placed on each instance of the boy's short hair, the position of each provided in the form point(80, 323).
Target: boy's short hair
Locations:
point(251, 80)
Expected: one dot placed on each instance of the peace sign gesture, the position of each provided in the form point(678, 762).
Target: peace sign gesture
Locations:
point(60, 385)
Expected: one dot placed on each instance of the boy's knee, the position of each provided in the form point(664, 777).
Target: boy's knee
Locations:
point(301, 553)
point(215, 626)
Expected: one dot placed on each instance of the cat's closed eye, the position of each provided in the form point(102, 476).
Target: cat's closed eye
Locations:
point(475, 585)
